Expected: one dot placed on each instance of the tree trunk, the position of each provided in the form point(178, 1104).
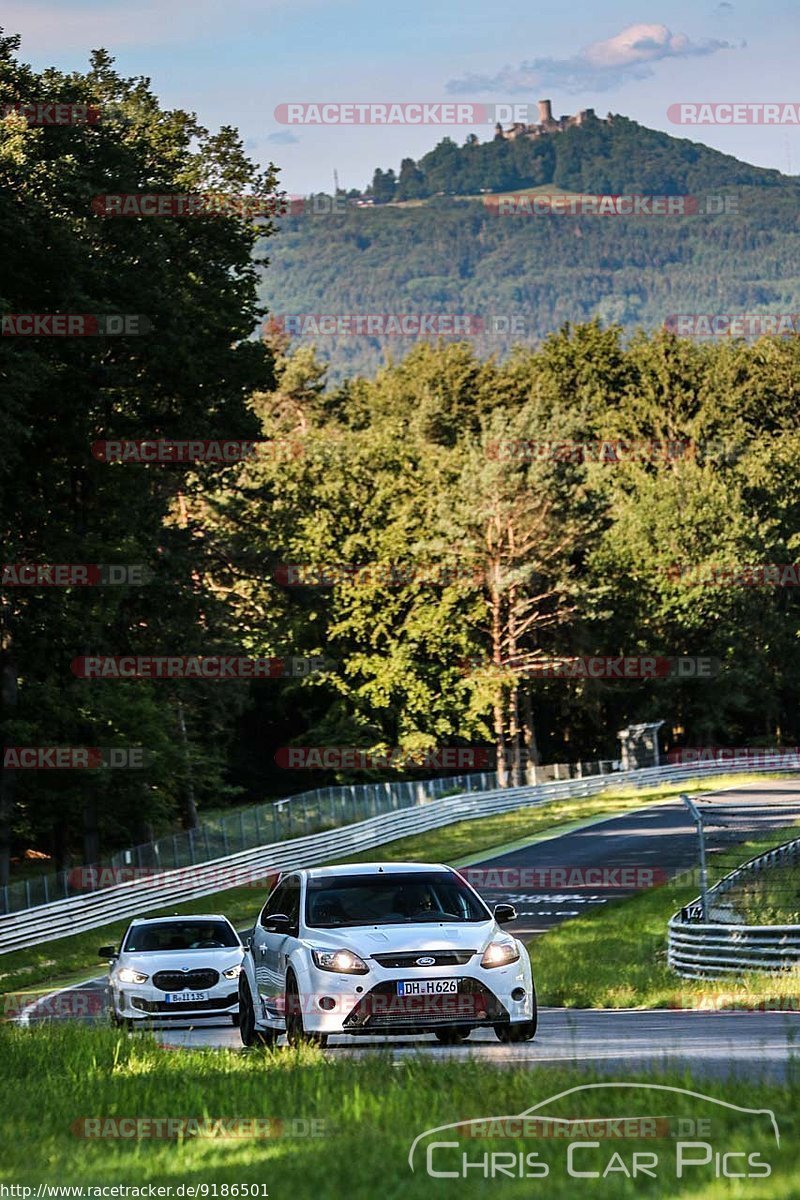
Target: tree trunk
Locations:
point(529, 737)
point(514, 736)
point(500, 742)
point(190, 820)
point(8, 704)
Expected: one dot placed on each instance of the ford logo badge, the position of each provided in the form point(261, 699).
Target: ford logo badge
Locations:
point(426, 962)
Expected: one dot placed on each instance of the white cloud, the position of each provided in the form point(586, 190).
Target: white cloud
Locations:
point(599, 66)
point(639, 43)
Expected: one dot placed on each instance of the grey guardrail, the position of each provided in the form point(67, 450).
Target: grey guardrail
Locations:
point(713, 949)
point(49, 922)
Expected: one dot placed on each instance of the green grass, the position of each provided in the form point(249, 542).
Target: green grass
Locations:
point(370, 1110)
point(616, 956)
point(71, 959)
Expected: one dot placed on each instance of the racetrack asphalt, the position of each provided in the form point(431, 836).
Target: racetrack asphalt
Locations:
point(550, 880)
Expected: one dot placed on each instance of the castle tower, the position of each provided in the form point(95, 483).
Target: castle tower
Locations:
point(545, 112)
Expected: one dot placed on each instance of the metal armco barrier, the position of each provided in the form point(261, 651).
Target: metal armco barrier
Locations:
point(295, 816)
point(711, 950)
point(48, 922)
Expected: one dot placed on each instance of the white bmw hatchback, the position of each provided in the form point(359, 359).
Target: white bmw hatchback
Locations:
point(175, 968)
point(383, 948)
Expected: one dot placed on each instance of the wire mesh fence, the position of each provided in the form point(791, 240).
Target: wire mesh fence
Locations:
point(273, 821)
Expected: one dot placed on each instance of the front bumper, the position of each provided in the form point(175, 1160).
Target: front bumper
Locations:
point(142, 1002)
point(369, 1004)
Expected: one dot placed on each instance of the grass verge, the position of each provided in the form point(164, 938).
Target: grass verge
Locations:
point(71, 959)
point(616, 956)
point(368, 1111)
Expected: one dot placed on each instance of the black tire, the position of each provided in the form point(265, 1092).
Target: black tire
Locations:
point(451, 1037)
point(246, 1020)
point(296, 1033)
point(115, 1018)
point(523, 1031)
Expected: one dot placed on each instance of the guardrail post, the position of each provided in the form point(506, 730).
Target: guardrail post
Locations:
point(697, 816)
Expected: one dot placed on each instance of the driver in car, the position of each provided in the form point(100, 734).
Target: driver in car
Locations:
point(415, 901)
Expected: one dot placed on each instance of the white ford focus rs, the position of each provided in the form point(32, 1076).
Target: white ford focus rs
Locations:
point(175, 968)
point(383, 948)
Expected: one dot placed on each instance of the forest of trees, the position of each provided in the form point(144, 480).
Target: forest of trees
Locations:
point(617, 155)
point(452, 256)
point(547, 556)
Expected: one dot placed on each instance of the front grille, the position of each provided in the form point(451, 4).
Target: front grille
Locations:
point(382, 1008)
point(162, 1006)
point(441, 958)
point(181, 981)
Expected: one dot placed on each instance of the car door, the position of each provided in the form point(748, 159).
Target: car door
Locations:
point(274, 904)
point(275, 946)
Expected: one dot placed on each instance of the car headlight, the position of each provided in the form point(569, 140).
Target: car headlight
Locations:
point(128, 975)
point(343, 961)
point(233, 972)
point(499, 954)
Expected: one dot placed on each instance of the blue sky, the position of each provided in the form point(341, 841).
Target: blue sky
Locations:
point(233, 62)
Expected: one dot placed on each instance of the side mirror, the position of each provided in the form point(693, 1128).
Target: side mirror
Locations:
point(503, 913)
point(276, 923)
point(107, 952)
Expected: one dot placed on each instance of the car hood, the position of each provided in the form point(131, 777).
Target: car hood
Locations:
point(175, 960)
point(412, 938)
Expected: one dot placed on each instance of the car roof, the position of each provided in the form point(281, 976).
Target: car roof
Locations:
point(376, 868)
point(180, 917)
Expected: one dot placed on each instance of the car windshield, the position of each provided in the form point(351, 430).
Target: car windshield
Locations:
point(181, 935)
point(390, 899)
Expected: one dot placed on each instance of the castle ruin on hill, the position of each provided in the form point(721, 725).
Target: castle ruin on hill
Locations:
point(547, 123)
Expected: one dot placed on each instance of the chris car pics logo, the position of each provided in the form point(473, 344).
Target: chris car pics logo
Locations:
point(700, 1141)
